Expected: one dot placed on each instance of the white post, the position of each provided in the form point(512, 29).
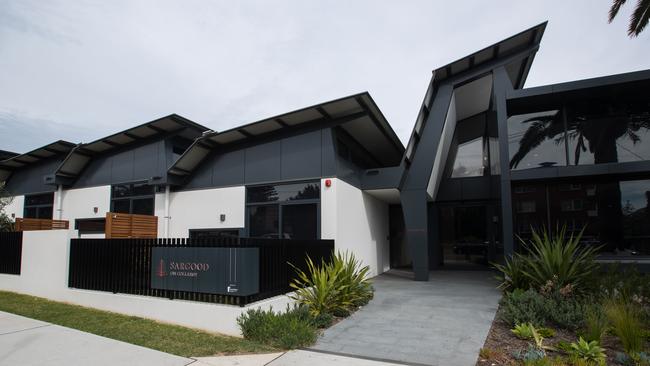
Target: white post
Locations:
point(167, 217)
point(59, 209)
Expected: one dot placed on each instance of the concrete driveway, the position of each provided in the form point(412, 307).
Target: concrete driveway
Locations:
point(441, 322)
point(27, 342)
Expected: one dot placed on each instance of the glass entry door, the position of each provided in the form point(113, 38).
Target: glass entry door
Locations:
point(466, 236)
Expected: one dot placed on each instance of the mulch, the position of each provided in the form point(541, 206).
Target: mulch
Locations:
point(501, 345)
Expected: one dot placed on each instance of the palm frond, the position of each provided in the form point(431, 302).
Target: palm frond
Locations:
point(616, 6)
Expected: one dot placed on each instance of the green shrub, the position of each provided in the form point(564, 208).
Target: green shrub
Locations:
point(595, 324)
point(559, 260)
point(333, 288)
point(289, 330)
point(588, 352)
point(352, 279)
point(527, 331)
point(624, 285)
point(512, 274)
point(529, 306)
point(322, 320)
point(626, 324)
point(566, 313)
point(520, 306)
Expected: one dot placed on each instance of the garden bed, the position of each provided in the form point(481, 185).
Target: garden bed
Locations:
point(501, 346)
point(561, 307)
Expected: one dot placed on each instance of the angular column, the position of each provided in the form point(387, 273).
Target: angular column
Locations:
point(414, 206)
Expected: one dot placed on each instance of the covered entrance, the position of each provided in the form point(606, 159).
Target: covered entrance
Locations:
point(469, 235)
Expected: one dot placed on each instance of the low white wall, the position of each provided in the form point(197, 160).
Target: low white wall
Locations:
point(44, 273)
point(201, 209)
point(16, 207)
point(358, 222)
point(80, 203)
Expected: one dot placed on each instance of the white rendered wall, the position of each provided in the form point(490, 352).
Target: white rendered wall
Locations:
point(201, 209)
point(80, 203)
point(44, 273)
point(159, 211)
point(358, 222)
point(15, 208)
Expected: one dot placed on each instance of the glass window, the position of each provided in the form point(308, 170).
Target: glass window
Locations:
point(287, 211)
point(283, 192)
point(122, 206)
point(469, 161)
point(143, 206)
point(536, 140)
point(609, 132)
point(526, 206)
point(39, 206)
point(264, 221)
point(136, 198)
point(300, 221)
point(615, 215)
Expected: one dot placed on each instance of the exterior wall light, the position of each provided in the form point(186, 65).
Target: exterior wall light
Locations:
point(222, 217)
point(95, 209)
point(328, 182)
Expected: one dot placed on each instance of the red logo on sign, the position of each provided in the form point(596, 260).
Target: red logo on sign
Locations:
point(161, 269)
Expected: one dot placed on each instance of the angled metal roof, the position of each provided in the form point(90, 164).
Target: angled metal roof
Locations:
point(517, 71)
point(357, 114)
point(82, 154)
point(8, 166)
point(509, 46)
point(4, 154)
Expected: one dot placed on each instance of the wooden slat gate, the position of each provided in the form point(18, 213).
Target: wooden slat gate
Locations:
point(120, 225)
point(23, 224)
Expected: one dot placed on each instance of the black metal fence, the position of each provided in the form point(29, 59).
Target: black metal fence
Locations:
point(11, 249)
point(124, 265)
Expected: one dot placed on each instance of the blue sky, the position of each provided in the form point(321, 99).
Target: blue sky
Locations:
point(79, 70)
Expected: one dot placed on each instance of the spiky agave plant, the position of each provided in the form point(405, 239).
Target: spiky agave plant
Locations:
point(319, 288)
point(559, 259)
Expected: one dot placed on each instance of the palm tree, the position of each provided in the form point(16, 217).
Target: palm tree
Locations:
point(639, 18)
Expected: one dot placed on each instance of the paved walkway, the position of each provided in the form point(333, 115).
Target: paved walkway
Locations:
point(441, 322)
point(26, 342)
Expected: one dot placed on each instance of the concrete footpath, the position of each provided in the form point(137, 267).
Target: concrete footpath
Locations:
point(29, 342)
point(443, 322)
point(26, 342)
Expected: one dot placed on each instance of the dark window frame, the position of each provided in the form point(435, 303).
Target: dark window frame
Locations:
point(133, 197)
point(282, 204)
point(39, 206)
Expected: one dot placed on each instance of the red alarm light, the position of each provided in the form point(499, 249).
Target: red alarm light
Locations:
point(328, 182)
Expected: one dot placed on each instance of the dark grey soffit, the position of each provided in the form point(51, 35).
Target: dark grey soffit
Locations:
point(82, 154)
point(4, 154)
point(541, 97)
point(16, 162)
point(358, 114)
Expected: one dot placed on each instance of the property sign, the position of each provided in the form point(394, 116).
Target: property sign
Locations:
point(231, 271)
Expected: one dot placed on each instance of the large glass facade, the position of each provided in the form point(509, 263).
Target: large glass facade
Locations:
point(591, 131)
point(608, 131)
point(287, 211)
point(614, 214)
point(536, 140)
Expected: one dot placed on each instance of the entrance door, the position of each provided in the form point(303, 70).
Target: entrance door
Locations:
point(466, 236)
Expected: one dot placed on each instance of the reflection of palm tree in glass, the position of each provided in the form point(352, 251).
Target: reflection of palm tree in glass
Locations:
point(599, 130)
point(597, 133)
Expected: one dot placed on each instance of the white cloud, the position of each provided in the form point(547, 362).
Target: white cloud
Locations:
point(106, 66)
